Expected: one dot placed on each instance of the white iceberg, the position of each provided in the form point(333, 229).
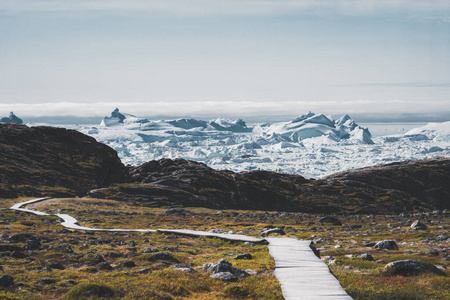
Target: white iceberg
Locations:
point(313, 126)
point(433, 131)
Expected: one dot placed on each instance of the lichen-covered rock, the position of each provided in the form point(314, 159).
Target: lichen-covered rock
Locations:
point(386, 244)
point(411, 267)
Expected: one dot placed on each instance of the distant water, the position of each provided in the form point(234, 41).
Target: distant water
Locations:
point(380, 129)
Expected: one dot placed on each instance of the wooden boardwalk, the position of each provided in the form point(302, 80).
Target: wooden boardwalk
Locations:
point(301, 273)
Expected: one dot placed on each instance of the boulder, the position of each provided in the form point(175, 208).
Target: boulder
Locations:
point(6, 281)
point(104, 266)
point(442, 237)
point(32, 244)
point(183, 268)
point(150, 250)
point(411, 267)
point(267, 232)
point(369, 244)
point(179, 212)
point(330, 219)
point(224, 266)
point(126, 264)
point(244, 256)
point(224, 276)
point(386, 244)
point(417, 225)
point(46, 281)
point(164, 257)
point(143, 271)
point(56, 265)
point(18, 254)
point(366, 256)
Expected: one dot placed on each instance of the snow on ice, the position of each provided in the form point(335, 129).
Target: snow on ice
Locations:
point(312, 145)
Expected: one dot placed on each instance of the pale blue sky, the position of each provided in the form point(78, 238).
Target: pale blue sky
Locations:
point(224, 57)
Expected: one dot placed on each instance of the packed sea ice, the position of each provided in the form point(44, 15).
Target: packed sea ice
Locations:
point(312, 145)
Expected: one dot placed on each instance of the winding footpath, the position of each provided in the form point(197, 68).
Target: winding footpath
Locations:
point(301, 273)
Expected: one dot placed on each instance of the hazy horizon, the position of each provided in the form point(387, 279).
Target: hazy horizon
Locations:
point(234, 58)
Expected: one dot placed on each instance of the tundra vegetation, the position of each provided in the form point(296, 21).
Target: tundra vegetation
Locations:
point(47, 261)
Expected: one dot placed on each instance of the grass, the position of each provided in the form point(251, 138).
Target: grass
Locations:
point(161, 282)
point(360, 278)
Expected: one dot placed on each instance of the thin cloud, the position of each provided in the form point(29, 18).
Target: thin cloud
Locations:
point(406, 84)
point(240, 109)
point(232, 7)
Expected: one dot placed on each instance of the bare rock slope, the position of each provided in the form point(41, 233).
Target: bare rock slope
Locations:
point(53, 161)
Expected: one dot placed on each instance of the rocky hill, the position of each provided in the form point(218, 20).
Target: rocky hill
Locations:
point(53, 161)
point(38, 161)
point(394, 188)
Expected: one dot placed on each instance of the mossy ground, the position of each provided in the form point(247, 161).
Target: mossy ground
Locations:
point(360, 278)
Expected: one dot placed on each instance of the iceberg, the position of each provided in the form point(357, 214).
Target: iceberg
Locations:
point(222, 124)
point(313, 126)
point(12, 118)
point(116, 118)
point(433, 131)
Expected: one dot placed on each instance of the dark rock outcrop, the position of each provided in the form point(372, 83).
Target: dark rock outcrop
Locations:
point(51, 161)
point(381, 189)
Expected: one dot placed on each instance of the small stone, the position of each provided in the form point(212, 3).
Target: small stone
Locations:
point(329, 260)
point(244, 256)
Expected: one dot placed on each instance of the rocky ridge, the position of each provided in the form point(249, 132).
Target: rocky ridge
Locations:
point(51, 161)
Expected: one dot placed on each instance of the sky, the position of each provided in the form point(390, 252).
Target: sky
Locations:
point(237, 58)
